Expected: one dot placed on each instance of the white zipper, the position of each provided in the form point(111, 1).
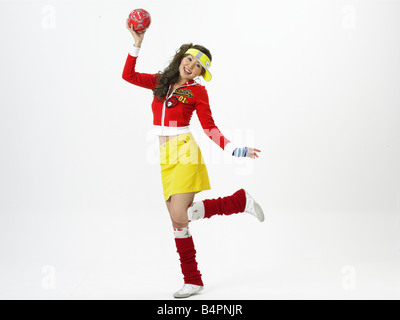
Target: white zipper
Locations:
point(165, 101)
point(163, 110)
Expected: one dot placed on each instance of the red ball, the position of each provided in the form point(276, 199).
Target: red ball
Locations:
point(140, 20)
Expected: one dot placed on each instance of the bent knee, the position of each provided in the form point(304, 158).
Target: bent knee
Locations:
point(179, 216)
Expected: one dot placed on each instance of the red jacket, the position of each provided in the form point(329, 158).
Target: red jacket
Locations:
point(172, 115)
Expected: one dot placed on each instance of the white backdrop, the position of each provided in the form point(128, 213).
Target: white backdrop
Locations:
point(313, 84)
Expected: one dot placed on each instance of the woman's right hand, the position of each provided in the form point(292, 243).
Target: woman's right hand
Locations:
point(137, 36)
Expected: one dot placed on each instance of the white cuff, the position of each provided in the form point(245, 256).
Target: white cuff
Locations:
point(134, 51)
point(230, 147)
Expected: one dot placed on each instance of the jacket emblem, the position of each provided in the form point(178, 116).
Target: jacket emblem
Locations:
point(172, 102)
point(184, 92)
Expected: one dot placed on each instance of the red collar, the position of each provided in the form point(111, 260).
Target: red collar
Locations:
point(189, 83)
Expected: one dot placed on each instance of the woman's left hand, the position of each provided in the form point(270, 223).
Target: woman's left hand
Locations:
point(253, 153)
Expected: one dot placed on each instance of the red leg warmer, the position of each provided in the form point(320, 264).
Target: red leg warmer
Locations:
point(225, 206)
point(187, 254)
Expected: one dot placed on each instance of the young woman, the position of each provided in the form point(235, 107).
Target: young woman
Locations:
point(183, 172)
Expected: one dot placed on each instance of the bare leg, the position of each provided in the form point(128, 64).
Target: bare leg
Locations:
point(177, 206)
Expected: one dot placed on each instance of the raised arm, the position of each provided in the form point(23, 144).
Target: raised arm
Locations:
point(129, 74)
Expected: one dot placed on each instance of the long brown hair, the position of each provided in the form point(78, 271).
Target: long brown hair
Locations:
point(171, 73)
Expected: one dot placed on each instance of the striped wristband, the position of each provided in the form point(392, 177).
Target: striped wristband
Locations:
point(240, 152)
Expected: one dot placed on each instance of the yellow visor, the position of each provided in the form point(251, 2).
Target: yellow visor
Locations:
point(203, 59)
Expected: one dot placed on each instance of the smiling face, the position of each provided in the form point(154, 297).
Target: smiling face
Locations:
point(189, 68)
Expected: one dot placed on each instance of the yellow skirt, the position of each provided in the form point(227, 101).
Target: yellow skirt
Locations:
point(182, 166)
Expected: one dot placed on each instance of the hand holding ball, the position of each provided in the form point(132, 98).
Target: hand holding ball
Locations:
point(140, 20)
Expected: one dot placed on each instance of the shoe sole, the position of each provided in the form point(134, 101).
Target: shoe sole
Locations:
point(178, 296)
point(259, 211)
point(257, 208)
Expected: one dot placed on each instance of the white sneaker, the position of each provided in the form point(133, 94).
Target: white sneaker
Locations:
point(253, 207)
point(188, 290)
